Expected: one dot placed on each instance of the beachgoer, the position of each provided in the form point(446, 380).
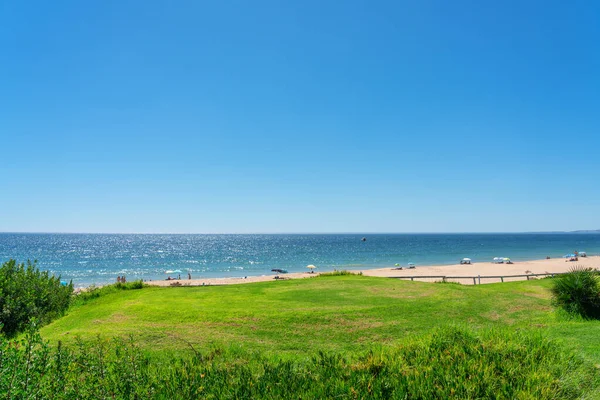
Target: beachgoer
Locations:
point(119, 278)
point(189, 276)
point(179, 277)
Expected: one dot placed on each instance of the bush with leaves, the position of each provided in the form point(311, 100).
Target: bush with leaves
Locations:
point(450, 363)
point(28, 293)
point(578, 292)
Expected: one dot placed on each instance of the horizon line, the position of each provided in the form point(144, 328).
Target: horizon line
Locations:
point(298, 233)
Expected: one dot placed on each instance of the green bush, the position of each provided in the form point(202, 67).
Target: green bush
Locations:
point(28, 293)
point(340, 273)
point(449, 364)
point(94, 292)
point(578, 292)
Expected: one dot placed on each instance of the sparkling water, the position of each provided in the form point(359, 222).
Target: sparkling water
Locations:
point(100, 258)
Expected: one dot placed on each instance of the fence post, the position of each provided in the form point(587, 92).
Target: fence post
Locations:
point(474, 283)
point(412, 279)
point(479, 279)
point(527, 277)
point(502, 279)
point(443, 279)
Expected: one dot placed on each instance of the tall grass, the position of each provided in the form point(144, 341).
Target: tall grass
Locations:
point(451, 363)
point(578, 292)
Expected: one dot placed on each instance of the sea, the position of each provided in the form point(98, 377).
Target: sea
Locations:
point(97, 259)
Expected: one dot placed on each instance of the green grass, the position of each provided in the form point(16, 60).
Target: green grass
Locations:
point(340, 314)
point(447, 363)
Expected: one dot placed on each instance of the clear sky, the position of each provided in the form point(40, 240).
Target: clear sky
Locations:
point(299, 116)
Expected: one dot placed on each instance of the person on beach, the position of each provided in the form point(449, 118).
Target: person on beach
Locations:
point(189, 276)
point(118, 278)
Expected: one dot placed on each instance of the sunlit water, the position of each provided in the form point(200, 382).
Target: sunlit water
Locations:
point(99, 258)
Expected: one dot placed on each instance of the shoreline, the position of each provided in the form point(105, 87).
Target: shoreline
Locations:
point(553, 265)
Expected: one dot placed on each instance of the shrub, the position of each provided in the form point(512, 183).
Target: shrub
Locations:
point(451, 363)
point(94, 292)
point(578, 292)
point(26, 293)
point(340, 273)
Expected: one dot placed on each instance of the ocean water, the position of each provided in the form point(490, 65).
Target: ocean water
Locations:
point(98, 258)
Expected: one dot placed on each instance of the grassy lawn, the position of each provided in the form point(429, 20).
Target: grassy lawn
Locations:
point(295, 317)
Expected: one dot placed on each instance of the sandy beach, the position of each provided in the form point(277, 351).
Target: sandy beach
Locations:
point(554, 265)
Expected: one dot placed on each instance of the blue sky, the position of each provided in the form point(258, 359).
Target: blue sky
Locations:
point(299, 116)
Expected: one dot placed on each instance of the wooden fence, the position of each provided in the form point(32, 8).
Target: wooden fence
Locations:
point(476, 279)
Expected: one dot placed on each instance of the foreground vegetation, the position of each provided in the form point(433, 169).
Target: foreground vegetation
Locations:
point(578, 292)
point(27, 293)
point(449, 363)
point(337, 336)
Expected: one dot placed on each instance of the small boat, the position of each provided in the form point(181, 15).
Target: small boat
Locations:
point(364, 239)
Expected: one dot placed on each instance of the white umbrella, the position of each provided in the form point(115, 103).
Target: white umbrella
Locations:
point(311, 267)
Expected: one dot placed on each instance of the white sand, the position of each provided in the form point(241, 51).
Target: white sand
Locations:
point(230, 281)
point(555, 265)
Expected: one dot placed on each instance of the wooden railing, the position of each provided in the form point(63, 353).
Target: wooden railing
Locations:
point(476, 279)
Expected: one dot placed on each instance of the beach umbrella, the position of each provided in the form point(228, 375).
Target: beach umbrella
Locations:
point(311, 267)
point(506, 259)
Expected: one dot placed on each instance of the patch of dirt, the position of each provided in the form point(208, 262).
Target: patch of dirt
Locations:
point(492, 315)
point(514, 309)
point(538, 295)
point(115, 318)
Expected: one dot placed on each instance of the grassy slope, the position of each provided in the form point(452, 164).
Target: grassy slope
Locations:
point(344, 313)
